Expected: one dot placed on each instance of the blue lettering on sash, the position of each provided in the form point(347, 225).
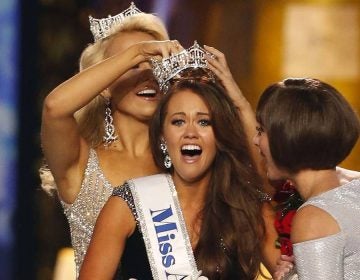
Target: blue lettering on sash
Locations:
point(165, 233)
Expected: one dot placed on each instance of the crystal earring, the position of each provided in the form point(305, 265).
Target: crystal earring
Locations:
point(109, 127)
point(167, 159)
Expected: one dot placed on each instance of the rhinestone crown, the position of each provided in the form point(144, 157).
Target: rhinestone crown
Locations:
point(167, 68)
point(100, 28)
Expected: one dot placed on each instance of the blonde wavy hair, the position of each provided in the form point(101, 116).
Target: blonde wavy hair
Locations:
point(90, 118)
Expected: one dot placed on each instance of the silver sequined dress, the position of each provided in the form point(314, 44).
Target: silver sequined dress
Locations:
point(337, 256)
point(82, 214)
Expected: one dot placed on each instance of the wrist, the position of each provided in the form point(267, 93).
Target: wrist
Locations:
point(135, 54)
point(242, 103)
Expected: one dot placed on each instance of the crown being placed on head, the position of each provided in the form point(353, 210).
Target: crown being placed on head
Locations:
point(166, 69)
point(101, 28)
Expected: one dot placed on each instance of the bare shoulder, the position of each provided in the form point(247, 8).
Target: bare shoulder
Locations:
point(117, 213)
point(113, 226)
point(311, 222)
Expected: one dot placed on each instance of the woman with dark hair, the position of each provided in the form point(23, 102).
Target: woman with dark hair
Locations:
point(232, 187)
point(306, 128)
point(203, 212)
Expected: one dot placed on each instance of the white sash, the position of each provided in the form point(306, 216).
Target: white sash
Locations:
point(163, 228)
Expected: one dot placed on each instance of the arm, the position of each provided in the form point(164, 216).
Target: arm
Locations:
point(114, 225)
point(318, 245)
point(270, 253)
point(247, 115)
point(219, 66)
point(320, 259)
point(65, 150)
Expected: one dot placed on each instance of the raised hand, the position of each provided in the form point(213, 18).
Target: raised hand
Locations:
point(284, 266)
point(217, 63)
point(158, 48)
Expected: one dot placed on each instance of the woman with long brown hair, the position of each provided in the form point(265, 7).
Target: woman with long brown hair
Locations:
point(198, 141)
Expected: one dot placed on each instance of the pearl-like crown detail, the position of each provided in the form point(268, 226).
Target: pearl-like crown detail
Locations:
point(100, 28)
point(167, 68)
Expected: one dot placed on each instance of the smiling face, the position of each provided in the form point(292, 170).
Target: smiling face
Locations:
point(136, 92)
point(189, 136)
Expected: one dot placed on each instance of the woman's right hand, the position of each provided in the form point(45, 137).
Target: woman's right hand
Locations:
point(163, 49)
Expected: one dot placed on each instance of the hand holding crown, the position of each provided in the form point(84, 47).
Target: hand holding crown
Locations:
point(159, 49)
point(169, 67)
point(218, 64)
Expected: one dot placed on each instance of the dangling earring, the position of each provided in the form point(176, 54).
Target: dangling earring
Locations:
point(167, 159)
point(109, 127)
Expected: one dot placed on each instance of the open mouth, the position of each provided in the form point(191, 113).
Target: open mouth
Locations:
point(191, 150)
point(147, 93)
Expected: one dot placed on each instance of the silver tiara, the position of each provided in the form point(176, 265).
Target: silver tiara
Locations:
point(167, 68)
point(100, 28)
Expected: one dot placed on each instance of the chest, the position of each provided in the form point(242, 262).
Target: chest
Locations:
point(119, 167)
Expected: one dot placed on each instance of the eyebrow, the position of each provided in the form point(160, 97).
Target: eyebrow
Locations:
point(183, 114)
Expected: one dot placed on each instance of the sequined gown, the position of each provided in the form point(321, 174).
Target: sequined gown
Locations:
point(337, 256)
point(82, 214)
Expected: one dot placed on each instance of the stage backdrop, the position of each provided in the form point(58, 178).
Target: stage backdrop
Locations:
point(8, 128)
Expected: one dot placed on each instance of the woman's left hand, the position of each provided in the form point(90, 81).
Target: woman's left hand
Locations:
point(284, 266)
point(217, 63)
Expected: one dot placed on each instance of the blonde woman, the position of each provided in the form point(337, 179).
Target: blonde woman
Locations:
point(95, 125)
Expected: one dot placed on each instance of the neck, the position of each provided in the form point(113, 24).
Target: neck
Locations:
point(310, 183)
point(192, 194)
point(133, 135)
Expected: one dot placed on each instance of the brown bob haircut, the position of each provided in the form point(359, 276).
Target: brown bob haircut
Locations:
point(309, 124)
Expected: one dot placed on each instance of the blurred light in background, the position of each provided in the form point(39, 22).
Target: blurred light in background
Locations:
point(9, 13)
point(162, 8)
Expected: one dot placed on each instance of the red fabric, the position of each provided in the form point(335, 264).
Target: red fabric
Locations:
point(283, 227)
point(288, 201)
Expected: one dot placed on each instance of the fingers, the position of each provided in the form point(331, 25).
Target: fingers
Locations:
point(216, 71)
point(217, 63)
point(177, 46)
point(287, 258)
point(159, 49)
point(170, 47)
point(221, 71)
point(284, 265)
point(219, 56)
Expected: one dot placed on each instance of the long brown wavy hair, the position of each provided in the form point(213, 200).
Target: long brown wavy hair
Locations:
point(232, 227)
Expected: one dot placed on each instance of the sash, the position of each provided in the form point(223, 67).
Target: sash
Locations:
point(163, 228)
